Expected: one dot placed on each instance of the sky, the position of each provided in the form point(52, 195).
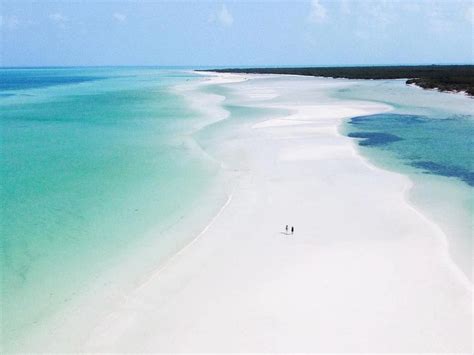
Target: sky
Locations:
point(235, 33)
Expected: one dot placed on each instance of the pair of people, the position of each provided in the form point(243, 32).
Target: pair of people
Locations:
point(292, 229)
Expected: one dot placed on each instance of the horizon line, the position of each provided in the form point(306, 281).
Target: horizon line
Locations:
point(232, 66)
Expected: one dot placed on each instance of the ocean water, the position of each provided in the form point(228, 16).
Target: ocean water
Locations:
point(95, 162)
point(101, 165)
point(429, 137)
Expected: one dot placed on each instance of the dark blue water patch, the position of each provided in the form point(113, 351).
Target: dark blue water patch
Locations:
point(374, 138)
point(431, 167)
point(434, 144)
point(31, 79)
point(389, 119)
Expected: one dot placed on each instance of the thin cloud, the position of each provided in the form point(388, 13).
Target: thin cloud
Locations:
point(317, 12)
point(59, 19)
point(470, 14)
point(345, 7)
point(439, 21)
point(120, 17)
point(222, 17)
point(382, 14)
point(373, 18)
point(9, 22)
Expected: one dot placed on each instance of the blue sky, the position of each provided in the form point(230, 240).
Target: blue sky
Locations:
point(232, 33)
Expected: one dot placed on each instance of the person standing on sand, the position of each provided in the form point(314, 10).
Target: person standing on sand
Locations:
point(286, 228)
point(292, 229)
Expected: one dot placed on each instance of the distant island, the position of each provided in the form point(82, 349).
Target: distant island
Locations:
point(453, 78)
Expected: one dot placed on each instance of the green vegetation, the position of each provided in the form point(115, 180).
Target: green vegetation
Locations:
point(441, 77)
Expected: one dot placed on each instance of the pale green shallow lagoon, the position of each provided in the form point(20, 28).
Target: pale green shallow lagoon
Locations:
point(88, 170)
point(105, 174)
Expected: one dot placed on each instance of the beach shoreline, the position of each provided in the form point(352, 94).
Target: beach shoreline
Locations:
point(421, 211)
point(240, 289)
point(66, 327)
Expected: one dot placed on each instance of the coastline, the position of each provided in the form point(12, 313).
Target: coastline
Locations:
point(443, 78)
point(447, 201)
point(422, 211)
point(224, 272)
point(66, 327)
point(454, 92)
point(409, 191)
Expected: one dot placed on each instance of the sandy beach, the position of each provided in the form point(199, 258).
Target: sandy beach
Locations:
point(364, 271)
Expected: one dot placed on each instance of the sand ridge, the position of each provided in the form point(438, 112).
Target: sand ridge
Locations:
point(364, 271)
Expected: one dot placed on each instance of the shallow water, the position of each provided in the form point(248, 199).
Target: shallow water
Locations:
point(105, 174)
point(428, 136)
point(92, 160)
point(99, 163)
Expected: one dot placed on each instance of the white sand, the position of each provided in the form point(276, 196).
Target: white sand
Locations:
point(364, 271)
point(208, 104)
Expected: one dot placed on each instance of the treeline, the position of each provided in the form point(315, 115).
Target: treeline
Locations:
point(441, 77)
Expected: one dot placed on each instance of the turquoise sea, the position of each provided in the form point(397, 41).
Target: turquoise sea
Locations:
point(101, 165)
point(429, 137)
point(94, 163)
